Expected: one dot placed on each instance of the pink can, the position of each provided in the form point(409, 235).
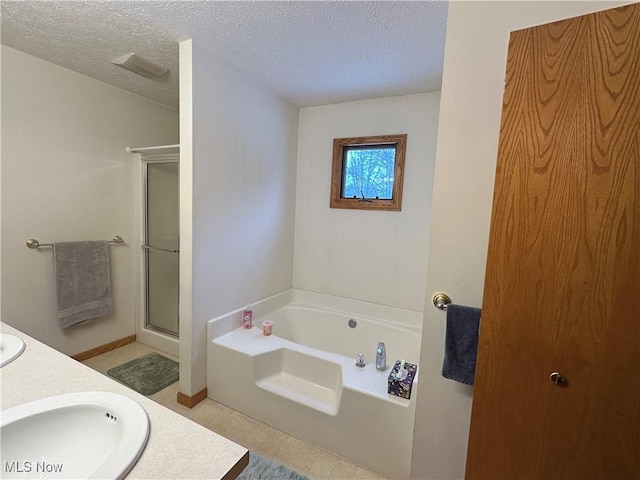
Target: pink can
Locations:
point(247, 320)
point(267, 327)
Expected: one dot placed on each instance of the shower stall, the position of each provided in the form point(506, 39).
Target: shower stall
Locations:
point(160, 244)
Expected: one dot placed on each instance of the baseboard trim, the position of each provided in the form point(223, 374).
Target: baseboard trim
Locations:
point(107, 347)
point(191, 402)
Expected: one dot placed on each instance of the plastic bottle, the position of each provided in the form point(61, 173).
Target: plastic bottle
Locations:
point(247, 319)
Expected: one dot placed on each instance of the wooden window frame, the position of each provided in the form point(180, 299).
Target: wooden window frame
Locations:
point(395, 203)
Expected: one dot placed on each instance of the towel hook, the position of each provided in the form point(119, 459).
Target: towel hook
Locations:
point(441, 300)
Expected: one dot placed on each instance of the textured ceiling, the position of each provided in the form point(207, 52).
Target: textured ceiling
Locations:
point(310, 52)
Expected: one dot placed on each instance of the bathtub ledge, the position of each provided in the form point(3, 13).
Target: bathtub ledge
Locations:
point(367, 380)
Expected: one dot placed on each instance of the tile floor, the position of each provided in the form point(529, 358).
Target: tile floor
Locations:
point(252, 434)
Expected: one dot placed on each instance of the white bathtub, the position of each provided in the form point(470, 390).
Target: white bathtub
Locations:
point(303, 380)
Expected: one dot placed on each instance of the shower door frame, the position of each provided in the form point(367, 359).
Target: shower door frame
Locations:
point(146, 159)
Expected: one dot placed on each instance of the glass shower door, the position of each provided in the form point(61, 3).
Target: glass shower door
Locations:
point(162, 245)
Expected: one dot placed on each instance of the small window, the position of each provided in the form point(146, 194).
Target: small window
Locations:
point(367, 172)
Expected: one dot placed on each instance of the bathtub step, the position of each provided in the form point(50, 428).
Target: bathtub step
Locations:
point(309, 380)
point(302, 391)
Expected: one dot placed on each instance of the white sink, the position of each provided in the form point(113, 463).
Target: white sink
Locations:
point(11, 347)
point(76, 435)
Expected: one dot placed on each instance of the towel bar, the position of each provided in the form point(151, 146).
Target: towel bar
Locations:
point(441, 300)
point(149, 247)
point(33, 243)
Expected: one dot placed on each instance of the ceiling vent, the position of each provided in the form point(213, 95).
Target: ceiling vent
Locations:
point(141, 66)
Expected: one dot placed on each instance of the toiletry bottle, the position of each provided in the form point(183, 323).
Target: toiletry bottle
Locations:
point(247, 319)
point(381, 357)
point(267, 327)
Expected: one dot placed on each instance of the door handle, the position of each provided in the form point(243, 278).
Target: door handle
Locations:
point(558, 379)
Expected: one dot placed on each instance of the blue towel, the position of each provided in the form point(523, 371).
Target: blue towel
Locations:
point(461, 343)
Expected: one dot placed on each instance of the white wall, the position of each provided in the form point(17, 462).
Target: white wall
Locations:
point(242, 149)
point(374, 256)
point(474, 67)
point(66, 176)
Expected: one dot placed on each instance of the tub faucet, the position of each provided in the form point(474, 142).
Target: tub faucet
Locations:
point(381, 357)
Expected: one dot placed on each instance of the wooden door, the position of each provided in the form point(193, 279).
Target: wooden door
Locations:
point(562, 287)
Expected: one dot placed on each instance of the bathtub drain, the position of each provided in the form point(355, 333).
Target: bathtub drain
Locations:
point(353, 323)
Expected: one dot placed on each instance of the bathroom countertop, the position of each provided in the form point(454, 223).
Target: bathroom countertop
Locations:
point(177, 447)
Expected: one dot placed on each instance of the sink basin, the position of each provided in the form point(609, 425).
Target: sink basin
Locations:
point(75, 435)
point(11, 347)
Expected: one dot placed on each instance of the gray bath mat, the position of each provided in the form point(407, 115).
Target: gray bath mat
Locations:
point(260, 468)
point(147, 374)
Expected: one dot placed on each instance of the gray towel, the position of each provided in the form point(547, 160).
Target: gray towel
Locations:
point(83, 281)
point(461, 343)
